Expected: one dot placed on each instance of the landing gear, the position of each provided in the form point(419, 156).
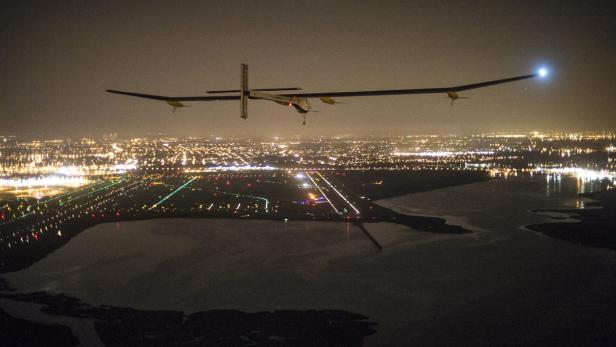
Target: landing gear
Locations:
point(304, 119)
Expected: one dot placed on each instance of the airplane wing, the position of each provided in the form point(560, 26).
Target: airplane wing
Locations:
point(413, 91)
point(177, 98)
point(437, 90)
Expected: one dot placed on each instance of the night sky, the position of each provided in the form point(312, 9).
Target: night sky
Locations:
point(59, 57)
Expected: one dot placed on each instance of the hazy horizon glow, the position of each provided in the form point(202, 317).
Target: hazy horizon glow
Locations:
point(60, 57)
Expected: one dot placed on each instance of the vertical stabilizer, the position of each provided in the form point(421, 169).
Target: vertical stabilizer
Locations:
point(244, 92)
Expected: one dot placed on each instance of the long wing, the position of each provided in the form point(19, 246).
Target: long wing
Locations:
point(333, 94)
point(177, 98)
point(413, 91)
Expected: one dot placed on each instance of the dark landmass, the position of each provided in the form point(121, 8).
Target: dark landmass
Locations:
point(597, 226)
point(4, 286)
point(19, 333)
point(129, 327)
point(381, 184)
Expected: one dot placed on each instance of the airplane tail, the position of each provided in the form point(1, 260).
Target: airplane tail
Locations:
point(244, 92)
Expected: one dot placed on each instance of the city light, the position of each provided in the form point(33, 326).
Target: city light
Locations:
point(585, 174)
point(40, 168)
point(441, 153)
point(49, 181)
point(53, 186)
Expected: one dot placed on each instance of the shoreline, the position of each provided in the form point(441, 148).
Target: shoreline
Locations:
point(359, 185)
point(23, 257)
point(593, 226)
point(63, 319)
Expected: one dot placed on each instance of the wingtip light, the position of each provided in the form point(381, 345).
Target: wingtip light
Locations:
point(543, 72)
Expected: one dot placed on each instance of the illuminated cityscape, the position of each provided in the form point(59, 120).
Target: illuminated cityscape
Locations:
point(23, 161)
point(53, 189)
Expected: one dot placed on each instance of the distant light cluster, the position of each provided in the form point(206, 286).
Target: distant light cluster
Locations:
point(41, 163)
point(44, 181)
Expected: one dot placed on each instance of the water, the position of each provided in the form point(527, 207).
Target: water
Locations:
point(421, 288)
point(504, 205)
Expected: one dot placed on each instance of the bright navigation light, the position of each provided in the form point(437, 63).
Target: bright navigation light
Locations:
point(543, 72)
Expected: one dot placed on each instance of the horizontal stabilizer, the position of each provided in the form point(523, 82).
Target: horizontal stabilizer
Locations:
point(258, 90)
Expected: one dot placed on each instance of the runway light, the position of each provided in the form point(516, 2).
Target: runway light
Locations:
point(543, 72)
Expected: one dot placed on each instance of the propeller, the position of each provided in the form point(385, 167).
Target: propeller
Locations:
point(329, 101)
point(176, 104)
point(454, 96)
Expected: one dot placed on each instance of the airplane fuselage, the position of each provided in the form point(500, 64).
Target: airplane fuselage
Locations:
point(301, 105)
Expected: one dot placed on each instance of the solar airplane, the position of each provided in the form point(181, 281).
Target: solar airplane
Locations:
point(299, 101)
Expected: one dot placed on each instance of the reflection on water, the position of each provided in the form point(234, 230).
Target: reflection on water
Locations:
point(554, 184)
point(500, 204)
point(587, 185)
point(503, 273)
